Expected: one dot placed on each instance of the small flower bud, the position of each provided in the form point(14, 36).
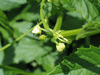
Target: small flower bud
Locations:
point(60, 47)
point(36, 30)
point(42, 37)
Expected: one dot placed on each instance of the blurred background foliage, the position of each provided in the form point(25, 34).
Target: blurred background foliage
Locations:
point(29, 53)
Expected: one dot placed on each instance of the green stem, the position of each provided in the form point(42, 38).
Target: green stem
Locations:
point(70, 32)
point(76, 31)
point(59, 22)
point(8, 45)
point(42, 17)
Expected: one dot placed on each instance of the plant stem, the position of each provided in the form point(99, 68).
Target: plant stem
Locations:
point(42, 17)
point(59, 22)
point(70, 32)
point(8, 45)
point(76, 31)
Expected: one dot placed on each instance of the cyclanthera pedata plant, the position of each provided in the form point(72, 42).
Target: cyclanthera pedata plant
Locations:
point(48, 37)
point(58, 36)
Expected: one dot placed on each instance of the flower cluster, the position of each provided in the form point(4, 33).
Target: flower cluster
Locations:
point(56, 38)
point(53, 34)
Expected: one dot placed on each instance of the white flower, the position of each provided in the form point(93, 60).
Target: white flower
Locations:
point(60, 47)
point(36, 30)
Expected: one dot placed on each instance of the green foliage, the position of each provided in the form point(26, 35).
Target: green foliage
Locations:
point(82, 62)
point(10, 4)
point(64, 25)
point(83, 7)
point(89, 29)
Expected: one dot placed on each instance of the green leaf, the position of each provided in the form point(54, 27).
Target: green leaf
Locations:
point(3, 18)
point(52, 8)
point(72, 20)
point(5, 34)
point(83, 7)
point(2, 15)
point(48, 61)
point(4, 22)
point(10, 73)
point(0, 42)
point(1, 58)
point(20, 27)
point(92, 11)
point(10, 4)
point(56, 2)
point(14, 71)
point(28, 16)
point(47, 9)
point(96, 3)
point(83, 62)
point(19, 1)
point(2, 72)
point(29, 49)
point(69, 4)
